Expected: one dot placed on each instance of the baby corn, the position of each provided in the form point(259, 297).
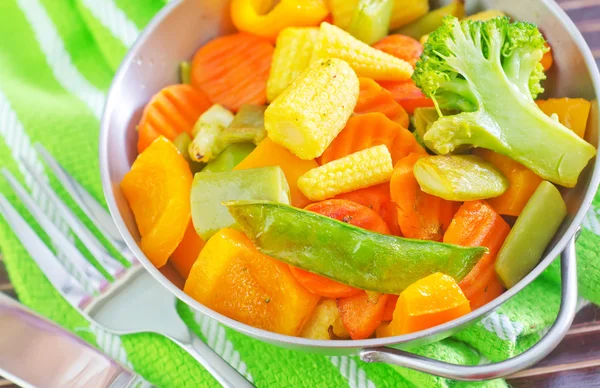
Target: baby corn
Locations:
point(292, 55)
point(366, 61)
point(309, 114)
point(356, 171)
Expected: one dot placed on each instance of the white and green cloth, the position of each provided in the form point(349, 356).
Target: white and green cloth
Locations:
point(57, 59)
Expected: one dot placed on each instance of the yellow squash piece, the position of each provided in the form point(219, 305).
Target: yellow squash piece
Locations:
point(333, 42)
point(426, 303)
point(407, 11)
point(361, 169)
point(255, 17)
point(322, 318)
point(310, 113)
point(236, 280)
point(157, 189)
point(432, 20)
point(293, 52)
point(573, 113)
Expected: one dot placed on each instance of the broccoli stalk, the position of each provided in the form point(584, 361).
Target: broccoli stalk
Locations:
point(491, 72)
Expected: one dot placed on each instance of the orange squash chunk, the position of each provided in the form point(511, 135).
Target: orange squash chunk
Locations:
point(233, 278)
point(267, 153)
point(158, 191)
point(187, 251)
point(572, 112)
point(426, 303)
point(522, 183)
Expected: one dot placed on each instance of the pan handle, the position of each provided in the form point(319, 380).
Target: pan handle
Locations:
point(568, 306)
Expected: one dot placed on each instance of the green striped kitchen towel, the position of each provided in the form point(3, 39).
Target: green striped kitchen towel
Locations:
point(57, 59)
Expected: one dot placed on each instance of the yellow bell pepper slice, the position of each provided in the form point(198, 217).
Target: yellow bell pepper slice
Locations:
point(258, 18)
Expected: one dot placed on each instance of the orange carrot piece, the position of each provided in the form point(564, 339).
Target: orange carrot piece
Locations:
point(493, 289)
point(368, 130)
point(233, 70)
point(390, 306)
point(170, 112)
point(548, 58)
point(360, 316)
point(374, 98)
point(420, 215)
point(401, 46)
point(186, 253)
point(407, 94)
point(477, 224)
point(321, 285)
point(354, 214)
point(378, 199)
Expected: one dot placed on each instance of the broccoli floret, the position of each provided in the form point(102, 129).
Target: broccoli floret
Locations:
point(491, 72)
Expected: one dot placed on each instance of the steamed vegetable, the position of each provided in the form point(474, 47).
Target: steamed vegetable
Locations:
point(157, 189)
point(573, 113)
point(229, 158)
point(522, 183)
point(407, 11)
point(366, 61)
point(491, 71)
point(234, 279)
point(293, 52)
point(531, 234)
point(431, 301)
point(401, 46)
point(420, 215)
point(371, 20)
point(360, 315)
point(345, 253)
point(210, 189)
point(482, 16)
point(256, 18)
point(353, 214)
point(459, 177)
point(407, 94)
point(433, 20)
point(185, 69)
point(170, 112)
point(233, 69)
point(368, 130)
point(356, 171)
point(310, 113)
point(373, 98)
point(423, 118)
point(186, 253)
point(477, 224)
point(267, 154)
point(182, 143)
point(322, 320)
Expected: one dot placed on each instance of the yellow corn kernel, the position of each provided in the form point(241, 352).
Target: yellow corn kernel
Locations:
point(356, 171)
point(309, 114)
point(407, 11)
point(366, 61)
point(342, 11)
point(292, 55)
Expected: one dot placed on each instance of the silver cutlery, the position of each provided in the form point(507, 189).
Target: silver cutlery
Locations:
point(128, 302)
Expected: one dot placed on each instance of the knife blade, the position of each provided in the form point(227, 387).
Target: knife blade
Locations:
point(35, 352)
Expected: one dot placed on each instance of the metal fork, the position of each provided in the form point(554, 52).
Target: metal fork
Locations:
point(132, 301)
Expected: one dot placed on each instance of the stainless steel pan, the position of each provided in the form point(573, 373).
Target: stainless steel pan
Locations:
point(183, 26)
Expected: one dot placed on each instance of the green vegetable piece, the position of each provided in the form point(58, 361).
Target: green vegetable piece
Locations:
point(345, 253)
point(182, 142)
point(491, 72)
point(432, 20)
point(229, 158)
point(534, 229)
point(185, 69)
point(210, 189)
point(248, 125)
point(423, 118)
point(460, 177)
point(371, 20)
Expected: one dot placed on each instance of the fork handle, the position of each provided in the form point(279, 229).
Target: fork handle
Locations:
point(224, 373)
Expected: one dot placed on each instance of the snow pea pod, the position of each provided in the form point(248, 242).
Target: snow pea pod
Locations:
point(345, 253)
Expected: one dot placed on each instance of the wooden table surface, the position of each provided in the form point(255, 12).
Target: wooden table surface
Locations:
point(576, 361)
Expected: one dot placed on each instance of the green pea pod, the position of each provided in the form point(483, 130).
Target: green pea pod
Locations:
point(371, 20)
point(459, 177)
point(345, 253)
point(229, 158)
point(534, 229)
